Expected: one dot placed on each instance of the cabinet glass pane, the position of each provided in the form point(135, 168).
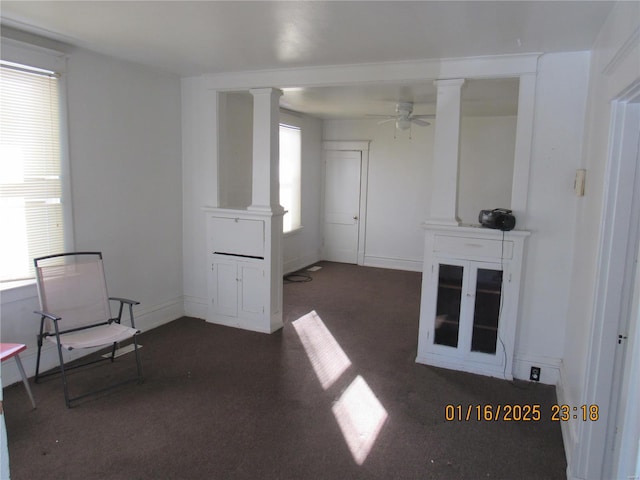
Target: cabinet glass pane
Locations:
point(487, 311)
point(447, 321)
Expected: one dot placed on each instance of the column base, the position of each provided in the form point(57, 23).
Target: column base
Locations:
point(275, 210)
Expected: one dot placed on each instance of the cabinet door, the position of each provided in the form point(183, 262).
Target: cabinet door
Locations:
point(252, 288)
point(486, 312)
point(486, 295)
point(449, 327)
point(225, 288)
point(468, 299)
point(449, 301)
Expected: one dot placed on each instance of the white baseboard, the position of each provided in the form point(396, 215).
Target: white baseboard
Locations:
point(156, 315)
point(246, 324)
point(196, 307)
point(146, 319)
point(490, 370)
point(298, 263)
point(549, 368)
point(393, 263)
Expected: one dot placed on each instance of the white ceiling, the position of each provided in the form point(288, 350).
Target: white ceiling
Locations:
point(196, 37)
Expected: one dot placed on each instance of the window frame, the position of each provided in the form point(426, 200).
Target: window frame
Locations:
point(56, 61)
point(288, 120)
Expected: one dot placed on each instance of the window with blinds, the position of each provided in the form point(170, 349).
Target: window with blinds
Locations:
point(31, 211)
point(290, 159)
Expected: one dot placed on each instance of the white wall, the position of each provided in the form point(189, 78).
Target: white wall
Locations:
point(561, 92)
point(236, 146)
point(125, 159)
point(615, 65)
point(487, 147)
point(602, 90)
point(199, 186)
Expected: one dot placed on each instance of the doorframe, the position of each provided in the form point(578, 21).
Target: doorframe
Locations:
point(625, 392)
point(592, 455)
point(361, 146)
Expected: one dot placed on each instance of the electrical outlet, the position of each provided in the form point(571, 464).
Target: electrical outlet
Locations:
point(535, 374)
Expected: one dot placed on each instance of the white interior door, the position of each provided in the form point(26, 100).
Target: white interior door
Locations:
point(342, 205)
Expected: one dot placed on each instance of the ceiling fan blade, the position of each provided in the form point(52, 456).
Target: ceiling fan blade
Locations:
point(387, 120)
point(422, 123)
point(431, 117)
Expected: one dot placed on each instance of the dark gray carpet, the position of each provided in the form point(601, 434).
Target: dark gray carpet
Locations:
point(222, 403)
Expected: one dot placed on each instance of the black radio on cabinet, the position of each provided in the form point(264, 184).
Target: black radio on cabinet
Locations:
point(498, 218)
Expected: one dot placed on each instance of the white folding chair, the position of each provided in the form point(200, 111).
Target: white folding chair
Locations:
point(75, 312)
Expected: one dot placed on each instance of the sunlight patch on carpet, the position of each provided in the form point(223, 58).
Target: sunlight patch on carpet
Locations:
point(360, 416)
point(327, 357)
point(358, 412)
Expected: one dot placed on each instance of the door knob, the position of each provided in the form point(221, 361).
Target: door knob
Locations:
point(355, 217)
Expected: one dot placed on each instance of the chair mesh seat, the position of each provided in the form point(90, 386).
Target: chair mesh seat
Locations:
point(102, 336)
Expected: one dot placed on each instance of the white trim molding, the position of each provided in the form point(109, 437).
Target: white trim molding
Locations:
point(195, 307)
point(393, 263)
point(465, 67)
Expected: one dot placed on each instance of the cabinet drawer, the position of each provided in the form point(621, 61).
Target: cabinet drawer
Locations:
point(466, 247)
point(236, 236)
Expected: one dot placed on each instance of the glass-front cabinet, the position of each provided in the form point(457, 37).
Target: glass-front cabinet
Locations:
point(470, 289)
point(467, 309)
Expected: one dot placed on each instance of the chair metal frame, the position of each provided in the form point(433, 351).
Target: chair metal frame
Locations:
point(58, 332)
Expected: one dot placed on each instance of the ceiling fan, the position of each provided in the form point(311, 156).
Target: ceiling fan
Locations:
point(403, 117)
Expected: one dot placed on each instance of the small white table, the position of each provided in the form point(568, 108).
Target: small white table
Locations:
point(8, 350)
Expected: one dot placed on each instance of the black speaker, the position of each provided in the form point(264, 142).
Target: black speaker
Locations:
point(498, 218)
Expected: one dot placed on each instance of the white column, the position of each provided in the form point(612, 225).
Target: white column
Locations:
point(446, 151)
point(524, 140)
point(265, 194)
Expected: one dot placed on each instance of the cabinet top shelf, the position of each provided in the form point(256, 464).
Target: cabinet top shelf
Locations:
point(476, 231)
point(479, 290)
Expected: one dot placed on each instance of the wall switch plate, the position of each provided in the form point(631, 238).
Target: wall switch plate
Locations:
point(535, 374)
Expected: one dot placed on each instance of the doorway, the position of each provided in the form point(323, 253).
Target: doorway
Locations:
point(623, 430)
point(345, 201)
point(609, 448)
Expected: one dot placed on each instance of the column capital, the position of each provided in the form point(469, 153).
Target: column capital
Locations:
point(449, 82)
point(265, 91)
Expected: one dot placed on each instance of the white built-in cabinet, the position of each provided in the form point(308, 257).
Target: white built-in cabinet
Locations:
point(470, 293)
point(244, 269)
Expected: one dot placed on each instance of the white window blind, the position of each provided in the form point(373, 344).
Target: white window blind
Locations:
point(290, 157)
point(31, 212)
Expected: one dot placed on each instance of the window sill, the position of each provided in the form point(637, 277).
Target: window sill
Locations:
point(293, 232)
point(18, 290)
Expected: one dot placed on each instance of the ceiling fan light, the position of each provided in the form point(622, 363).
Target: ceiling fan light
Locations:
point(403, 123)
